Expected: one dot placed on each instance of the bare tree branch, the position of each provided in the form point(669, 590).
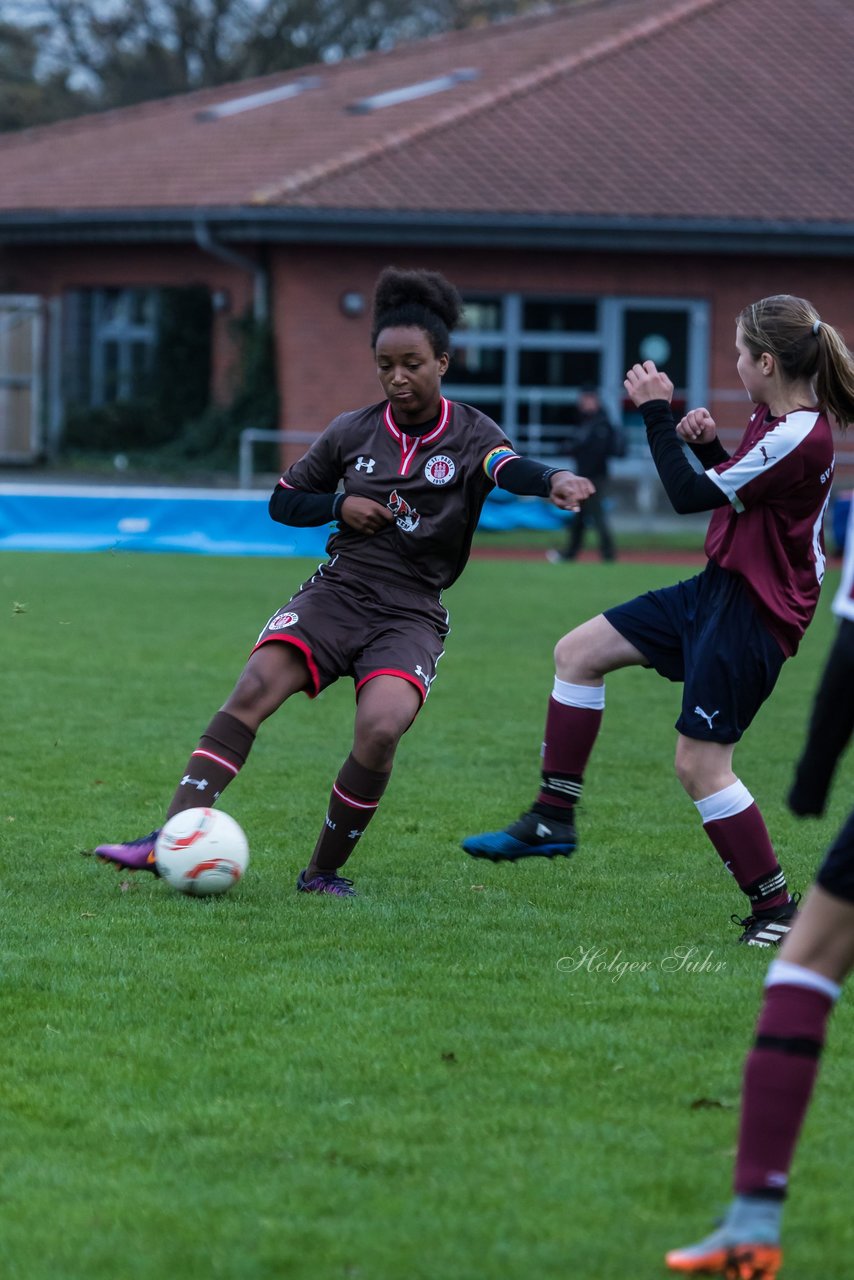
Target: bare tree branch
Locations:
point(106, 54)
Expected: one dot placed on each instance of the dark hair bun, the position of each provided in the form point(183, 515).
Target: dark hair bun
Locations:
point(428, 289)
point(424, 299)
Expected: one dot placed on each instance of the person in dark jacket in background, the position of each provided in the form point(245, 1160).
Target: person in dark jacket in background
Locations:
point(592, 442)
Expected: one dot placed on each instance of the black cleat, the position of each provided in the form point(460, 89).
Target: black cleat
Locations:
point(769, 928)
point(531, 836)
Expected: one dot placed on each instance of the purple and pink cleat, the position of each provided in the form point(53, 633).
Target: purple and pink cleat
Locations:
point(135, 855)
point(326, 882)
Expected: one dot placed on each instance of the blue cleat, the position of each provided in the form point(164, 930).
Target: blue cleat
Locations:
point(531, 836)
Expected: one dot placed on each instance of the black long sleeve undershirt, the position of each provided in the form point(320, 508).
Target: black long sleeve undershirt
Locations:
point(688, 490)
point(709, 455)
point(526, 477)
point(522, 476)
point(301, 509)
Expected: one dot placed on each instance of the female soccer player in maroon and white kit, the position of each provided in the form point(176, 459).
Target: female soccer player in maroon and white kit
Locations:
point(725, 633)
point(405, 479)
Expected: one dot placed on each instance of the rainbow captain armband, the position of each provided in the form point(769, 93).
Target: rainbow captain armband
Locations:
point(495, 460)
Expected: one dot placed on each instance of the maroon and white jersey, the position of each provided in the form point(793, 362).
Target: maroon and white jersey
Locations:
point(843, 601)
point(778, 485)
point(435, 485)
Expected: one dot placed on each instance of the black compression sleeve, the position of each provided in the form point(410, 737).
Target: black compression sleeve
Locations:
point(526, 477)
point(709, 455)
point(296, 507)
point(687, 489)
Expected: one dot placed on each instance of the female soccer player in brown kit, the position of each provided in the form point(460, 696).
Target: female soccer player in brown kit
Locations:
point(725, 633)
point(414, 470)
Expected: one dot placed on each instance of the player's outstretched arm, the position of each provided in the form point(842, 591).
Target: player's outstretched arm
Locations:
point(651, 390)
point(529, 478)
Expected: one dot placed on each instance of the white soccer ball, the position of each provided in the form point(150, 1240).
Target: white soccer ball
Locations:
point(201, 852)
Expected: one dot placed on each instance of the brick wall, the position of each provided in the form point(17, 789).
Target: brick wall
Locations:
point(50, 271)
point(326, 366)
point(324, 359)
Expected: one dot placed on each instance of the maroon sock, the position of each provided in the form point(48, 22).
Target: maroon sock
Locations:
point(745, 848)
point(356, 793)
point(570, 735)
point(218, 758)
point(779, 1075)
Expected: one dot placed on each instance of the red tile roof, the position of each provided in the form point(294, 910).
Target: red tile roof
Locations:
point(688, 109)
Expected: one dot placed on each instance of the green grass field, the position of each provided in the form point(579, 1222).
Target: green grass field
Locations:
point(423, 1083)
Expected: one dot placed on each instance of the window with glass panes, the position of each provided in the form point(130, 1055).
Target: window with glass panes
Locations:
point(524, 359)
point(113, 333)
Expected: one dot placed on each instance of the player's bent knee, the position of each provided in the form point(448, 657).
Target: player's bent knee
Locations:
point(703, 768)
point(264, 684)
point(577, 655)
point(690, 769)
point(686, 774)
point(379, 738)
point(567, 654)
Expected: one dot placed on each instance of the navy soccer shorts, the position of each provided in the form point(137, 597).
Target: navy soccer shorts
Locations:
point(836, 874)
point(706, 633)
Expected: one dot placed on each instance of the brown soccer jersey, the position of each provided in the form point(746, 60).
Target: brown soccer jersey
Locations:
point(435, 485)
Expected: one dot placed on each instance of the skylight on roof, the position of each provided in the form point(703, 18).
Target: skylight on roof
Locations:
point(253, 100)
point(409, 92)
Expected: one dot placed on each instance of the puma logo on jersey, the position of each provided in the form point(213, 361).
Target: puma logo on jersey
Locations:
point(405, 517)
point(698, 711)
point(365, 464)
point(766, 456)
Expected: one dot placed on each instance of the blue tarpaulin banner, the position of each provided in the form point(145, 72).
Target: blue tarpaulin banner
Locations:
point(201, 521)
point(222, 522)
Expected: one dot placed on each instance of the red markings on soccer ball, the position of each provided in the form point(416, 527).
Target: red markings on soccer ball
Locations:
point(215, 864)
point(187, 841)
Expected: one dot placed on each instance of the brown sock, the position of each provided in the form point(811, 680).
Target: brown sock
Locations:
point(218, 758)
point(356, 793)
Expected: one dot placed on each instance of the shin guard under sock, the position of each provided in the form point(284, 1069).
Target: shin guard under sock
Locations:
point(219, 757)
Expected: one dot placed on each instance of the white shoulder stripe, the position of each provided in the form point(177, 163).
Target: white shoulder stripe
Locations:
point(725, 487)
point(768, 451)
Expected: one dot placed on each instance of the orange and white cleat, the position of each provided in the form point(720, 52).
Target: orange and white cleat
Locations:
point(714, 1257)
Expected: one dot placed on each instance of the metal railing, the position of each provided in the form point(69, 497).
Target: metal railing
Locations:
point(251, 436)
